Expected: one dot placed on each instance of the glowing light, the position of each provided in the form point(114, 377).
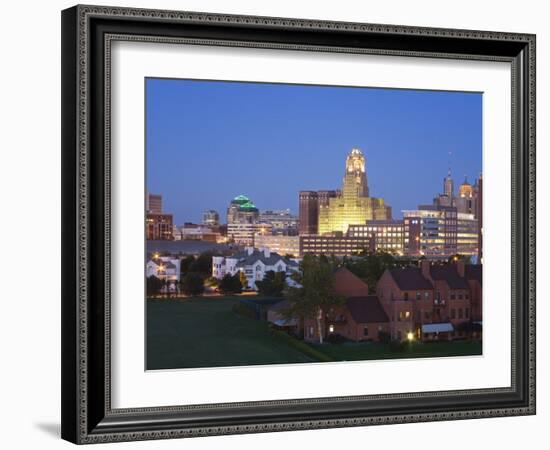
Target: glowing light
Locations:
point(410, 336)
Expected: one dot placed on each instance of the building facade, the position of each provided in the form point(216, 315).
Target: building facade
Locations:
point(244, 233)
point(430, 231)
point(153, 203)
point(433, 301)
point(211, 218)
point(282, 221)
point(335, 245)
point(354, 205)
point(159, 227)
point(468, 202)
point(242, 210)
point(283, 245)
point(388, 235)
point(438, 232)
point(360, 318)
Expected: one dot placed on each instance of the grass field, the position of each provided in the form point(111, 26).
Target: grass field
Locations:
point(352, 351)
point(206, 332)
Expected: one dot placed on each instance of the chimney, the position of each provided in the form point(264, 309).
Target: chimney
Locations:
point(460, 268)
point(249, 250)
point(267, 252)
point(425, 268)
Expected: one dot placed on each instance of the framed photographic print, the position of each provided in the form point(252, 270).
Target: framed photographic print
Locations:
point(278, 224)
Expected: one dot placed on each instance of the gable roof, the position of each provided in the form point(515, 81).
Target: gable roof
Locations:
point(449, 274)
point(473, 272)
point(366, 309)
point(348, 284)
point(166, 264)
point(410, 278)
point(245, 259)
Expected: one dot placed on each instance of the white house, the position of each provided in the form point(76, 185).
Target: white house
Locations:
point(254, 264)
point(164, 268)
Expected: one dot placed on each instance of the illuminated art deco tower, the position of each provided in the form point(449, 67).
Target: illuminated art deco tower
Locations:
point(354, 206)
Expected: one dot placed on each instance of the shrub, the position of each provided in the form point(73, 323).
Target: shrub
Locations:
point(336, 339)
point(230, 284)
point(192, 284)
point(384, 337)
point(398, 346)
point(301, 346)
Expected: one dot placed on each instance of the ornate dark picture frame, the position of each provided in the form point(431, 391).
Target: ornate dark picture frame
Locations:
point(87, 33)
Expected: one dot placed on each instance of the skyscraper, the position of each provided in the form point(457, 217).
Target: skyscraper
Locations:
point(242, 210)
point(354, 206)
point(153, 203)
point(211, 218)
point(308, 212)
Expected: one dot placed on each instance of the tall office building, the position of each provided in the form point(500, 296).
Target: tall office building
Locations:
point(242, 210)
point(479, 216)
point(438, 232)
point(159, 227)
point(308, 212)
point(387, 234)
point(153, 203)
point(282, 220)
point(469, 206)
point(211, 218)
point(354, 206)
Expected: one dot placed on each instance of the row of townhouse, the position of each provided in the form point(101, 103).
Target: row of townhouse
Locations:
point(430, 302)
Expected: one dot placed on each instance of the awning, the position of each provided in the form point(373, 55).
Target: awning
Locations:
point(437, 328)
point(284, 323)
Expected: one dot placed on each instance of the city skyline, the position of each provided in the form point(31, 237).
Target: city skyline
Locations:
point(203, 143)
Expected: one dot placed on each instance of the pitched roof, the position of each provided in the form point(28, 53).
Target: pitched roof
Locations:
point(473, 272)
point(349, 285)
point(166, 264)
point(366, 309)
point(245, 259)
point(410, 278)
point(449, 274)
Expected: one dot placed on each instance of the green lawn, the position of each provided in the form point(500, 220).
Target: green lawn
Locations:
point(352, 351)
point(205, 332)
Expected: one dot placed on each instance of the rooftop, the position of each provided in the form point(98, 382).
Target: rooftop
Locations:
point(366, 309)
point(410, 278)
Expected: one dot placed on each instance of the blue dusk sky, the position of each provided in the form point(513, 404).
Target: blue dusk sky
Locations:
point(209, 141)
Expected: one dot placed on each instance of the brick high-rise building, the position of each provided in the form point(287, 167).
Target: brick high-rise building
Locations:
point(159, 227)
point(308, 212)
point(154, 204)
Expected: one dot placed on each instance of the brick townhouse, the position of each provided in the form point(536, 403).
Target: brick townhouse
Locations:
point(433, 301)
point(360, 318)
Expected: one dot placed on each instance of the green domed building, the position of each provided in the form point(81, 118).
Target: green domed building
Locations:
point(242, 210)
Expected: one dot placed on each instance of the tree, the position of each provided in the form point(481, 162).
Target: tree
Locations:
point(154, 285)
point(192, 284)
point(243, 280)
point(273, 283)
point(185, 265)
point(203, 264)
point(371, 266)
point(316, 292)
point(230, 284)
point(212, 282)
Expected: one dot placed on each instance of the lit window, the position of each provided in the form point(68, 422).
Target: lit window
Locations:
point(331, 328)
